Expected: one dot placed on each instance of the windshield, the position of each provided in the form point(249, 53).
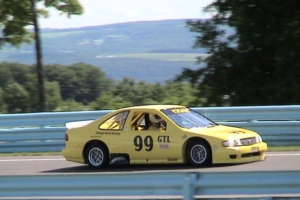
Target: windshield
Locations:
point(187, 118)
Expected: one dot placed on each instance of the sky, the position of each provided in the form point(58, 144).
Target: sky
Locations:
point(102, 12)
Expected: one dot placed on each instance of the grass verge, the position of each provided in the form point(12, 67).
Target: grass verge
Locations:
point(283, 148)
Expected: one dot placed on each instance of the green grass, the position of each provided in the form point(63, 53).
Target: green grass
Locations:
point(284, 148)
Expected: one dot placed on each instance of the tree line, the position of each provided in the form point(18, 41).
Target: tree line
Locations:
point(255, 64)
point(83, 87)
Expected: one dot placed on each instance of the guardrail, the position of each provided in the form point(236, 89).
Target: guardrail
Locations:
point(43, 132)
point(153, 185)
point(278, 125)
point(38, 132)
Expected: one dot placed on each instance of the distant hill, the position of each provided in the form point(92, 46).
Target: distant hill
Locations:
point(154, 51)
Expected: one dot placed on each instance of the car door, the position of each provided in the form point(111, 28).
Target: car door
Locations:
point(146, 142)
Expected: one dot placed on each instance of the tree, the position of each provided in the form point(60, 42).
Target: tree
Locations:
point(14, 71)
point(108, 101)
point(79, 81)
point(253, 49)
point(2, 103)
point(70, 105)
point(16, 98)
point(89, 82)
point(16, 16)
point(181, 94)
point(140, 93)
point(65, 77)
point(52, 91)
point(6, 76)
point(126, 89)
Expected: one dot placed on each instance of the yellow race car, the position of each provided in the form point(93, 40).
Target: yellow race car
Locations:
point(157, 134)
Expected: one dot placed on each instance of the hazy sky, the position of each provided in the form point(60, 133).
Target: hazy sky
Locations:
point(100, 12)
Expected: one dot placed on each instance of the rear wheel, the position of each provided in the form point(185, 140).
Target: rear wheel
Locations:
point(96, 156)
point(199, 153)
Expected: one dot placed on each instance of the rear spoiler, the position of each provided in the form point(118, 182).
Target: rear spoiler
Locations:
point(77, 124)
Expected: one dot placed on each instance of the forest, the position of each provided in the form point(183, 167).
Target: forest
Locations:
point(83, 87)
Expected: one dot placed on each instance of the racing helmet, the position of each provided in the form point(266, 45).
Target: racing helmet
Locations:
point(154, 118)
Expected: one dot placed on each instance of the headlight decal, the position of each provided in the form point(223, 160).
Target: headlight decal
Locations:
point(232, 142)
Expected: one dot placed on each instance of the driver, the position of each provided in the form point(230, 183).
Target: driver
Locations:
point(154, 121)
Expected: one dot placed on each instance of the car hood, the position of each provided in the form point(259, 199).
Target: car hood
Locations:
point(77, 124)
point(224, 131)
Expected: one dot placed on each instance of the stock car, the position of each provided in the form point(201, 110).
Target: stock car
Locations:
point(158, 134)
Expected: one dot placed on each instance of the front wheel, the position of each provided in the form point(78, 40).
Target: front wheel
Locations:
point(199, 154)
point(96, 156)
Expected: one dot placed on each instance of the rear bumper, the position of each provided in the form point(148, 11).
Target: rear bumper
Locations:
point(73, 154)
point(242, 154)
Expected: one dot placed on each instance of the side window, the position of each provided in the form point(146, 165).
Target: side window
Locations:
point(147, 121)
point(116, 122)
point(138, 121)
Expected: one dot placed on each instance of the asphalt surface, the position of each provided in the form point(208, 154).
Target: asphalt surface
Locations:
point(33, 165)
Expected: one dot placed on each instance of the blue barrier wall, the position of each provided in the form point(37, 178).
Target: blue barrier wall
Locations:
point(158, 185)
point(44, 132)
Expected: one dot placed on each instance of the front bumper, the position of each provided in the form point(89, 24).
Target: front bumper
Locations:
point(241, 154)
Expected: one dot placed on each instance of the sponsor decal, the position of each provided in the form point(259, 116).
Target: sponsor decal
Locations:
point(215, 148)
point(96, 136)
point(139, 143)
point(172, 159)
point(107, 133)
point(164, 146)
point(164, 138)
point(180, 110)
point(237, 132)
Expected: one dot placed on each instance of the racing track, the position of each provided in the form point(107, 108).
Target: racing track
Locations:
point(33, 165)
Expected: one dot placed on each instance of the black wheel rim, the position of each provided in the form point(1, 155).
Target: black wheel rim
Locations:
point(96, 156)
point(198, 154)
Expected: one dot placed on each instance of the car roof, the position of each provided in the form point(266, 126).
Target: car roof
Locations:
point(154, 107)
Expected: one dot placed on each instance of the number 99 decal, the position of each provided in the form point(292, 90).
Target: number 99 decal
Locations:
point(138, 143)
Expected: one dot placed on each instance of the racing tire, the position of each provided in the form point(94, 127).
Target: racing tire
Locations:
point(96, 156)
point(199, 154)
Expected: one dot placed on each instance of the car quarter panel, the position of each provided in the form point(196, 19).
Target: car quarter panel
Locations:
point(79, 138)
